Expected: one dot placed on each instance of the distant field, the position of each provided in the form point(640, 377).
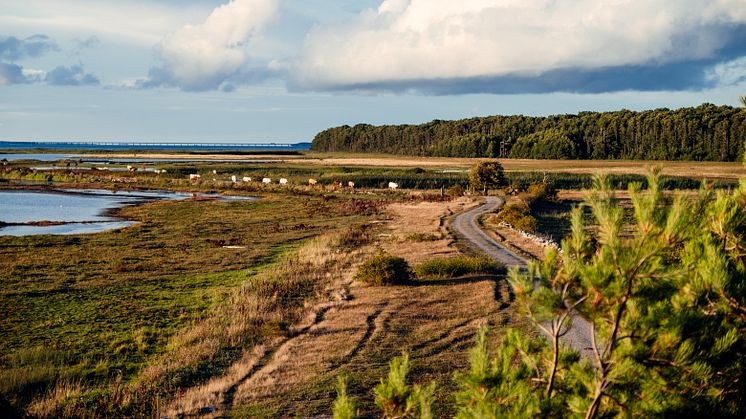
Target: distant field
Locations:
point(711, 170)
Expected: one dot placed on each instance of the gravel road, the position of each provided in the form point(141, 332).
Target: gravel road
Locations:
point(468, 227)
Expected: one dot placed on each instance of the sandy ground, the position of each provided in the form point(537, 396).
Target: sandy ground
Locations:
point(711, 170)
point(426, 219)
point(358, 335)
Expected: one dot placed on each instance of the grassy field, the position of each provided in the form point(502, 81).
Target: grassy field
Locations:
point(119, 323)
point(93, 310)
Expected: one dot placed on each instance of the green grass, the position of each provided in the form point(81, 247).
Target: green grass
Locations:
point(97, 308)
point(456, 266)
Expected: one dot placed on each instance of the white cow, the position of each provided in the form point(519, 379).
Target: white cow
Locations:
point(266, 180)
point(283, 181)
point(246, 179)
point(312, 181)
point(234, 179)
point(393, 185)
point(214, 172)
point(350, 184)
point(194, 177)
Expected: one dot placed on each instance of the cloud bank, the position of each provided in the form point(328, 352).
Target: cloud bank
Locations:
point(13, 49)
point(512, 46)
point(212, 53)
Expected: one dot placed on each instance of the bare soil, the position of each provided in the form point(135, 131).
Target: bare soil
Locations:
point(357, 333)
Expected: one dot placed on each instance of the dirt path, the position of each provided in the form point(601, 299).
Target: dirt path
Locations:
point(434, 323)
point(579, 336)
point(358, 335)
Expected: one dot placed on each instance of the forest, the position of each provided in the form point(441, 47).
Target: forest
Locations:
point(703, 133)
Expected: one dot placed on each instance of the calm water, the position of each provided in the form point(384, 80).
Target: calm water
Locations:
point(81, 210)
point(34, 156)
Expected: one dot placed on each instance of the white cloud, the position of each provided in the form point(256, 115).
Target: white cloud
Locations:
point(33, 75)
point(435, 40)
point(729, 73)
point(140, 22)
point(203, 56)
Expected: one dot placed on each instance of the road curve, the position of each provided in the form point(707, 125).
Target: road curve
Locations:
point(467, 226)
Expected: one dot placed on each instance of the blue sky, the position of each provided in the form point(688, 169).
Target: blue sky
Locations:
point(282, 70)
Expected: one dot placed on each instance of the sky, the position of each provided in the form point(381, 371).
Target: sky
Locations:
point(283, 70)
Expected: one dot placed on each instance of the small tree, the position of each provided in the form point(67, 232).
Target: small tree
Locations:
point(397, 399)
point(344, 407)
point(742, 99)
point(665, 303)
point(486, 175)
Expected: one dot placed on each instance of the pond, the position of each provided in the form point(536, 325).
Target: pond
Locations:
point(75, 211)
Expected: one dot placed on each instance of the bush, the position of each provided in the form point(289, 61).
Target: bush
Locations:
point(458, 266)
point(455, 191)
point(518, 220)
point(422, 237)
point(384, 269)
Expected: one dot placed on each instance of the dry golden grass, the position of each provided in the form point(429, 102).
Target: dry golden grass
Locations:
point(423, 219)
point(710, 170)
point(331, 273)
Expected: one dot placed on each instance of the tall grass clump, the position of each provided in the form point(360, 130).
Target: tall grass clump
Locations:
point(344, 406)
point(452, 267)
point(396, 398)
point(384, 269)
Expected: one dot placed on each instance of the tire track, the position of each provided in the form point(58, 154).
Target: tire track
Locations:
point(265, 360)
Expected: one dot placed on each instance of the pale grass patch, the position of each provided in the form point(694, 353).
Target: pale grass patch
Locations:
point(251, 311)
point(46, 406)
point(212, 393)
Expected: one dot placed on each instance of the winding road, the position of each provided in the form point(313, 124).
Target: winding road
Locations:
point(468, 227)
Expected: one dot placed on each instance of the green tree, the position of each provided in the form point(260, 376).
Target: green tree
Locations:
point(666, 305)
point(742, 99)
point(398, 399)
point(344, 406)
point(485, 176)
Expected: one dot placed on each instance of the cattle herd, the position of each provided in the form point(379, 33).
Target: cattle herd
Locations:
point(194, 177)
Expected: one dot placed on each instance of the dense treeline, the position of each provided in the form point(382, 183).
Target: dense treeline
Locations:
point(707, 132)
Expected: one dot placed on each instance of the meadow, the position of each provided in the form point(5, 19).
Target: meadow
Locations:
point(121, 322)
point(94, 309)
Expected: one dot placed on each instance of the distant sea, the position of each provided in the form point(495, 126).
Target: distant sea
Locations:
point(151, 146)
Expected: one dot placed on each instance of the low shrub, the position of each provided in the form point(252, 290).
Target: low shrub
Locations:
point(384, 269)
point(455, 191)
point(456, 266)
point(422, 237)
point(518, 220)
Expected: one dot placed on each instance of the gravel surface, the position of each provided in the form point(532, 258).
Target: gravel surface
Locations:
point(468, 227)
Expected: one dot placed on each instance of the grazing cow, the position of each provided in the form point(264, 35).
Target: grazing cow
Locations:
point(336, 184)
point(131, 168)
point(214, 172)
point(194, 177)
point(393, 185)
point(246, 179)
point(163, 171)
point(266, 180)
point(234, 179)
point(283, 181)
point(312, 181)
point(350, 184)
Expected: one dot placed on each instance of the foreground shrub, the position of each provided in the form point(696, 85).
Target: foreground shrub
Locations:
point(397, 399)
point(344, 407)
point(458, 266)
point(384, 269)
